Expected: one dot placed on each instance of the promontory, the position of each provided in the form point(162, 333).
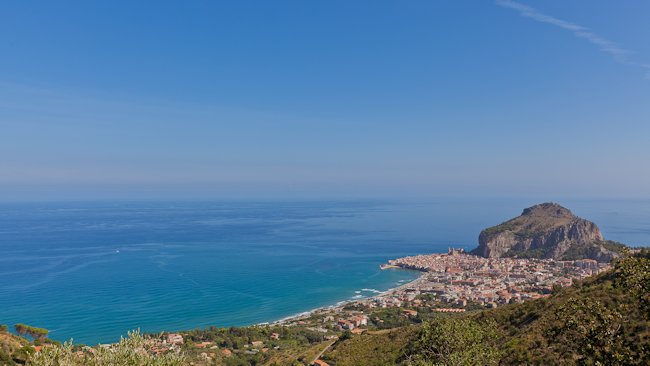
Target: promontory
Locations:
point(547, 230)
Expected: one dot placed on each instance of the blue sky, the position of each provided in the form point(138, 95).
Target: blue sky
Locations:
point(324, 99)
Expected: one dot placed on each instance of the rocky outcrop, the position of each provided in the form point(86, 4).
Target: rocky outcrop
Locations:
point(547, 230)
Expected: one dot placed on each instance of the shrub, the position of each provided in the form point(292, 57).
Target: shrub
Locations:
point(130, 351)
point(456, 342)
point(34, 332)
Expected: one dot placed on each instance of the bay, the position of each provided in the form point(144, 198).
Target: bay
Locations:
point(91, 271)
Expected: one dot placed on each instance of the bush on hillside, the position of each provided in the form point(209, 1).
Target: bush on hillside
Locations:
point(130, 351)
point(456, 342)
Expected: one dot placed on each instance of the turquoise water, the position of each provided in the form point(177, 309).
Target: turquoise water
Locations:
point(92, 271)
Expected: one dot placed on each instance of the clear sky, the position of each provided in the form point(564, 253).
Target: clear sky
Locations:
point(324, 99)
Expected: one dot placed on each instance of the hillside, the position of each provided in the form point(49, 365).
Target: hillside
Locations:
point(603, 320)
point(606, 319)
point(11, 347)
point(547, 230)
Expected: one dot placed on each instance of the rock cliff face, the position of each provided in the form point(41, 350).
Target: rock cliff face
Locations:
point(547, 230)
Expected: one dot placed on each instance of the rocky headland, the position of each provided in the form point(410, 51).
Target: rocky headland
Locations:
point(547, 230)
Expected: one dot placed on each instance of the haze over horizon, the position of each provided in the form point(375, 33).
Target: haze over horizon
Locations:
point(296, 99)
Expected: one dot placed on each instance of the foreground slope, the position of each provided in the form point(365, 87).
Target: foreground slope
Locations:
point(603, 320)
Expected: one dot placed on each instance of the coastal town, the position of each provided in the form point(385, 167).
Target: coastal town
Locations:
point(453, 282)
point(490, 284)
point(456, 282)
point(458, 278)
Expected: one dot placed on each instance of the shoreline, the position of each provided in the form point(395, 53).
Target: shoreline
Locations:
point(456, 275)
point(339, 305)
point(301, 315)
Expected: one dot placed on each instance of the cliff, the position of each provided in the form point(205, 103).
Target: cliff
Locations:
point(547, 230)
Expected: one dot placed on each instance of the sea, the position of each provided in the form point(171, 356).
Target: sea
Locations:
point(92, 271)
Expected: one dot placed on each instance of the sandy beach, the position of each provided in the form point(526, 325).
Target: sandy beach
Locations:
point(341, 304)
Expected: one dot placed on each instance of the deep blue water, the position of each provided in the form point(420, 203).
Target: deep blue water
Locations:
point(92, 271)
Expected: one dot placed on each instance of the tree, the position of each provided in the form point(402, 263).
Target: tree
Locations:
point(34, 332)
point(456, 342)
point(633, 276)
point(21, 329)
point(589, 331)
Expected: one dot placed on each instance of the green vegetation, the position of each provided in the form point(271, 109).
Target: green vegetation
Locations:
point(384, 347)
point(614, 246)
point(130, 351)
point(504, 226)
point(580, 251)
point(445, 340)
point(390, 318)
point(238, 338)
point(528, 254)
point(456, 342)
point(632, 275)
point(294, 345)
point(604, 320)
point(34, 332)
point(575, 251)
point(591, 328)
point(5, 359)
point(592, 250)
point(13, 348)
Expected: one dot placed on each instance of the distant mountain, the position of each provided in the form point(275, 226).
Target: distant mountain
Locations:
point(547, 230)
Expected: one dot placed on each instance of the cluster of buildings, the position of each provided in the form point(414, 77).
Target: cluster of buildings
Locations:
point(456, 281)
point(460, 278)
point(450, 282)
point(352, 322)
point(171, 343)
